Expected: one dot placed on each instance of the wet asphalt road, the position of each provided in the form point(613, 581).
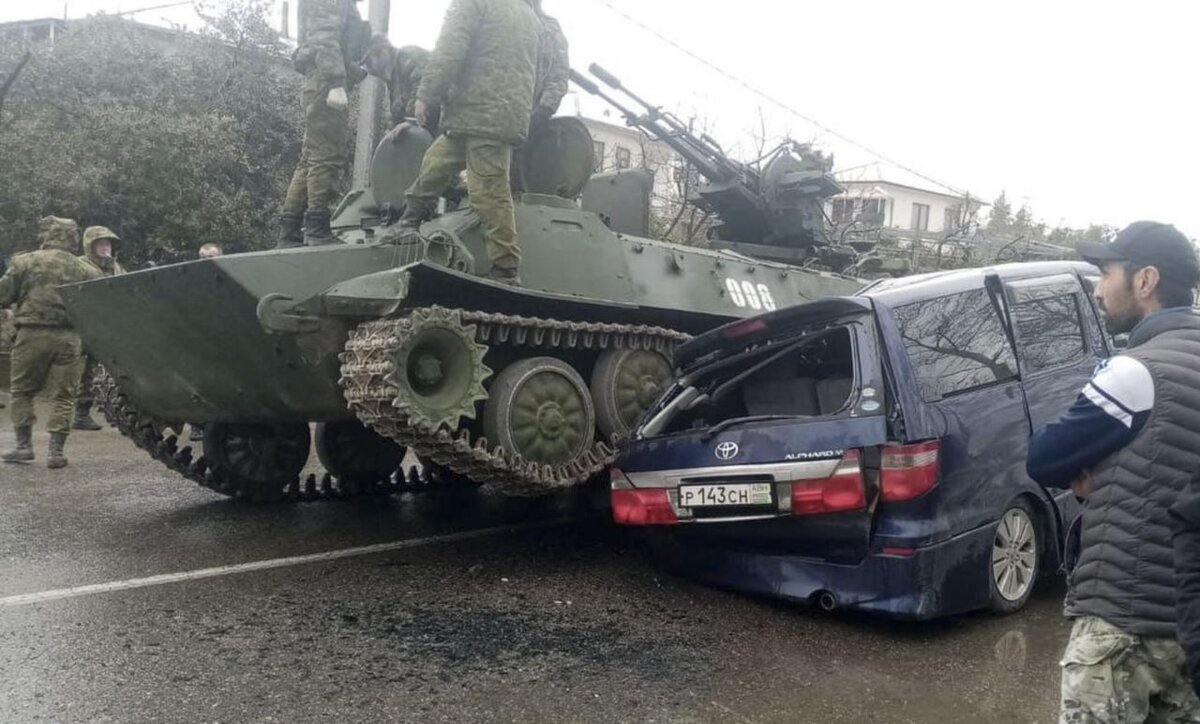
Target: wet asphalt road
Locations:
point(566, 623)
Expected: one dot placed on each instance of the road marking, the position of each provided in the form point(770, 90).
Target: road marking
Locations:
point(26, 599)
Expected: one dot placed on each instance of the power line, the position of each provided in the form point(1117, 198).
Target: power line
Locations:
point(771, 99)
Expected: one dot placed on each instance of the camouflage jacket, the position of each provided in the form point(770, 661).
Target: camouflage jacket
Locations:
point(335, 39)
point(408, 67)
point(32, 280)
point(554, 67)
point(483, 70)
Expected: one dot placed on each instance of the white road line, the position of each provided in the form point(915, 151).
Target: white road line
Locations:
point(25, 599)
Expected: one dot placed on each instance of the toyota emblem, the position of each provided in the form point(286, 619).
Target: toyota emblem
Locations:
point(727, 451)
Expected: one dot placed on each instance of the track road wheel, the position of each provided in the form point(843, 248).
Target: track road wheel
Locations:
point(624, 383)
point(1014, 561)
point(541, 410)
point(355, 453)
point(437, 368)
point(257, 462)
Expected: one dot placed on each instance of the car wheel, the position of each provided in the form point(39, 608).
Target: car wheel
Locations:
point(1013, 564)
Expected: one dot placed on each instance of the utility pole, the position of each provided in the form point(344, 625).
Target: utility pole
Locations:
point(370, 103)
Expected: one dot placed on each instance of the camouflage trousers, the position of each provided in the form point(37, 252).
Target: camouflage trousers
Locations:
point(488, 164)
point(316, 183)
point(50, 359)
point(1111, 677)
point(84, 397)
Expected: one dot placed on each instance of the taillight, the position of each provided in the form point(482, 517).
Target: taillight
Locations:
point(630, 506)
point(908, 471)
point(839, 492)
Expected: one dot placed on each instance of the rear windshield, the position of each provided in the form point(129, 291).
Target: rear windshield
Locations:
point(807, 375)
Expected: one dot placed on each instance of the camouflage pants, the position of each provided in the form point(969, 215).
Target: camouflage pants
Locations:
point(1111, 677)
point(84, 398)
point(488, 165)
point(51, 359)
point(316, 183)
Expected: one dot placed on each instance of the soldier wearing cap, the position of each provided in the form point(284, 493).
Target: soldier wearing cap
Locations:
point(402, 70)
point(1130, 449)
point(99, 250)
point(47, 354)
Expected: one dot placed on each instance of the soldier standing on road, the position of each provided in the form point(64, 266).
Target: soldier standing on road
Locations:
point(335, 38)
point(402, 70)
point(47, 354)
point(482, 76)
point(1130, 447)
point(98, 242)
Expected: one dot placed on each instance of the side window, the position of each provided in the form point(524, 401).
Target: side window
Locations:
point(1049, 332)
point(955, 343)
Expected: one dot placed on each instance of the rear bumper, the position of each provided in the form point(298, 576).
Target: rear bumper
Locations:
point(938, 580)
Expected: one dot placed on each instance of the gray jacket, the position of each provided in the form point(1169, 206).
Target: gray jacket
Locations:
point(1126, 570)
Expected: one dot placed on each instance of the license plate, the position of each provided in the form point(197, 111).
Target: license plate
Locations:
point(702, 496)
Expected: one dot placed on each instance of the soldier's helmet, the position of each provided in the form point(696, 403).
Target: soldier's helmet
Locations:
point(95, 233)
point(55, 232)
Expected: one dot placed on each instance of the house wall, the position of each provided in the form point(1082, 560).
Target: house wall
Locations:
point(900, 200)
point(643, 153)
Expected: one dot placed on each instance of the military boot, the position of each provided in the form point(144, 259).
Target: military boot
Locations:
point(414, 215)
point(316, 229)
point(505, 275)
point(24, 451)
point(291, 234)
point(83, 418)
point(57, 458)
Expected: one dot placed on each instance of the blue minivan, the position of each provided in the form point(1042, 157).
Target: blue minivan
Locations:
point(868, 452)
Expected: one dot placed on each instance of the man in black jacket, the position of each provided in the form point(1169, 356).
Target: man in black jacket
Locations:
point(1130, 447)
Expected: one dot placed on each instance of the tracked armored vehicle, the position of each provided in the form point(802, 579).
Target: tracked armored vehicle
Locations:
point(394, 342)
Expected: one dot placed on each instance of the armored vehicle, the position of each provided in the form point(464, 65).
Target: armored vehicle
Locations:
point(394, 342)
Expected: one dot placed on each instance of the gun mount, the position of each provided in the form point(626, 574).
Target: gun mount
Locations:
point(773, 211)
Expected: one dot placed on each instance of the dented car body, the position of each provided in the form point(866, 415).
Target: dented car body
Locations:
point(868, 452)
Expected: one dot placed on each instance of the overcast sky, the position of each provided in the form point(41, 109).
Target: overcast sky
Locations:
point(1083, 110)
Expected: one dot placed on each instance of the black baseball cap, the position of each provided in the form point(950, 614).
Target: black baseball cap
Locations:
point(1149, 243)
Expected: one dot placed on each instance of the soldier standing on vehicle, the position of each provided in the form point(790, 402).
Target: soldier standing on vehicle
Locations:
point(47, 354)
point(1129, 447)
point(482, 76)
point(98, 251)
point(401, 69)
point(334, 39)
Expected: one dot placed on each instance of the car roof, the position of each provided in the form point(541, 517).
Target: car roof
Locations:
point(892, 292)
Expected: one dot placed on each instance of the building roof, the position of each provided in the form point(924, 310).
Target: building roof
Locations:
point(882, 173)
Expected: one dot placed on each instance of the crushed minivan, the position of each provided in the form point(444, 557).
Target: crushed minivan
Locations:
point(868, 452)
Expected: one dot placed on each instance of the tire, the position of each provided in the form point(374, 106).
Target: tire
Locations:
point(624, 383)
point(541, 410)
point(355, 453)
point(1014, 560)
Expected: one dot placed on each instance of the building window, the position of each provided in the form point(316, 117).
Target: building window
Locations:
point(597, 156)
point(871, 212)
point(953, 218)
point(622, 158)
point(920, 217)
point(955, 344)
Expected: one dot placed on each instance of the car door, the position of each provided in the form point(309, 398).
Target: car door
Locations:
point(1058, 347)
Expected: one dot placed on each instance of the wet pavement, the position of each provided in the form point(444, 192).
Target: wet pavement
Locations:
point(570, 622)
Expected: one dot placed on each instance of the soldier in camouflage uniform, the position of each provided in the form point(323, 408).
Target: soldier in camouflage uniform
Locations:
point(98, 251)
point(482, 76)
point(335, 38)
point(402, 70)
point(47, 354)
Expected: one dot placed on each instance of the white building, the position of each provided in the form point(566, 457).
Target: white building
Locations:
point(617, 148)
point(880, 196)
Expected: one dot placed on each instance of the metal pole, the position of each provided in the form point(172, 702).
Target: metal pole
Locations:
point(370, 103)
